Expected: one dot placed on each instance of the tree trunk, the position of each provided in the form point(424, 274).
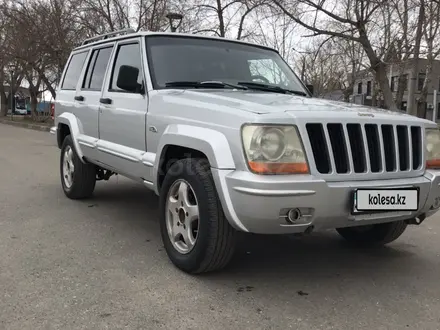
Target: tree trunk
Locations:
point(220, 19)
point(382, 80)
point(374, 94)
point(421, 106)
point(350, 88)
point(347, 92)
point(401, 90)
point(380, 71)
point(49, 86)
point(4, 104)
point(402, 84)
point(34, 104)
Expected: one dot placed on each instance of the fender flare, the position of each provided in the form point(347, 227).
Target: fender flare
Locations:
point(211, 142)
point(71, 121)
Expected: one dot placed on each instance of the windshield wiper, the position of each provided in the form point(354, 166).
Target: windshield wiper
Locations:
point(270, 88)
point(203, 84)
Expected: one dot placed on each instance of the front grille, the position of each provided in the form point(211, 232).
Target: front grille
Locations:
point(370, 148)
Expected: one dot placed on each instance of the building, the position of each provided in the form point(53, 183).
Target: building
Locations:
point(363, 91)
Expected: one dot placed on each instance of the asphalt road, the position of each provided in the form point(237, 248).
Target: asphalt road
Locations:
point(100, 264)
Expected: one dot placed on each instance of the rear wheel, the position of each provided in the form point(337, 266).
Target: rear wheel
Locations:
point(379, 234)
point(77, 178)
point(196, 234)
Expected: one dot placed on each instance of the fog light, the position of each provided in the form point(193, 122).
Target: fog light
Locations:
point(296, 215)
point(293, 215)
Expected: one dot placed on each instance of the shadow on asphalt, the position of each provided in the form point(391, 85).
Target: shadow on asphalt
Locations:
point(319, 257)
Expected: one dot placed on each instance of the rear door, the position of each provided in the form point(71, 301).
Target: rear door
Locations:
point(122, 115)
point(88, 96)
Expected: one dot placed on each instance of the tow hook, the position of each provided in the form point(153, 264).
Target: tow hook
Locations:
point(417, 220)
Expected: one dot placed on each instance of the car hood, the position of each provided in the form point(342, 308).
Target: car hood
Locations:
point(268, 102)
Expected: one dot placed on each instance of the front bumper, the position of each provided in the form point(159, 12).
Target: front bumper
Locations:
point(259, 204)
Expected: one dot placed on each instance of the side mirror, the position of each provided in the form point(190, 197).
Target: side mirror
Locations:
point(128, 79)
point(310, 88)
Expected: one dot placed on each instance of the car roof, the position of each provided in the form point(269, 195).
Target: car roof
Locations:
point(170, 34)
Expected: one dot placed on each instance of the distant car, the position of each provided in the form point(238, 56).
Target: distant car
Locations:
point(20, 110)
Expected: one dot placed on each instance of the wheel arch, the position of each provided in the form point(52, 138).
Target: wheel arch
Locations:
point(181, 141)
point(67, 124)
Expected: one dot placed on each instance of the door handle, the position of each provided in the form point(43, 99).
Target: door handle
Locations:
point(105, 101)
point(79, 98)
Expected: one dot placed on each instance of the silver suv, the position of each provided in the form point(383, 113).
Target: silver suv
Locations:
point(232, 141)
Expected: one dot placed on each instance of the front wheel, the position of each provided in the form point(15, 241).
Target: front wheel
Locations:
point(196, 234)
point(77, 178)
point(379, 234)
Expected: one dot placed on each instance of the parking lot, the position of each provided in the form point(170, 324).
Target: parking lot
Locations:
point(100, 264)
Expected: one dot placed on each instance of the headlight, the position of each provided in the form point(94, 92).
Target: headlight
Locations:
point(432, 148)
point(274, 149)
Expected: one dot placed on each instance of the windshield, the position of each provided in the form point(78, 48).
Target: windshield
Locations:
point(20, 104)
point(186, 59)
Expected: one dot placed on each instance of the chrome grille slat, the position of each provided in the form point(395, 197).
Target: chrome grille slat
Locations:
point(382, 149)
point(396, 148)
point(379, 157)
point(366, 150)
point(330, 150)
point(410, 148)
point(348, 145)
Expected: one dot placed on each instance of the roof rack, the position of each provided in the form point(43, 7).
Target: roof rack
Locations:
point(107, 35)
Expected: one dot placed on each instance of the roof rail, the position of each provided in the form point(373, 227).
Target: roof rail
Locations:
point(107, 35)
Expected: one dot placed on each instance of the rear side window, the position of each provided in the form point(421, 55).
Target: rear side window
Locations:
point(96, 69)
point(74, 71)
point(128, 54)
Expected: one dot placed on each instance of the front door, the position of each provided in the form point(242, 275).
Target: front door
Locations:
point(122, 116)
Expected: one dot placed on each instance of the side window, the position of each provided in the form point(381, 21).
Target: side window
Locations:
point(127, 55)
point(74, 71)
point(96, 69)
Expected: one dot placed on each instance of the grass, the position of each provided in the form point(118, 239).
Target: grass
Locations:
point(40, 120)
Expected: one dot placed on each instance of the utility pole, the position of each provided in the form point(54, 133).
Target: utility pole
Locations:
point(303, 70)
point(411, 103)
point(12, 95)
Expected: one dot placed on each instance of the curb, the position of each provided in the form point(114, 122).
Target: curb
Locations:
point(36, 127)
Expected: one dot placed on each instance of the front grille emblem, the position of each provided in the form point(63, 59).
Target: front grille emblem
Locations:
point(365, 114)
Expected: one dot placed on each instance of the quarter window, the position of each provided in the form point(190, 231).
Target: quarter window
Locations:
point(128, 54)
point(74, 71)
point(97, 68)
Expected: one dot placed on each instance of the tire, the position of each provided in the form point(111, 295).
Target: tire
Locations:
point(215, 239)
point(83, 179)
point(379, 234)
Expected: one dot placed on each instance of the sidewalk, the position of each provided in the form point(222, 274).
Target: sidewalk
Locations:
point(19, 121)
